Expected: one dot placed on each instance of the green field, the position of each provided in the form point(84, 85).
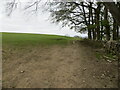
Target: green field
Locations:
point(25, 39)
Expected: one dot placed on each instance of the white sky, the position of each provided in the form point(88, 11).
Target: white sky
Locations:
point(27, 23)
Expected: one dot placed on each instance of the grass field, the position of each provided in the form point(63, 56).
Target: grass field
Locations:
point(23, 39)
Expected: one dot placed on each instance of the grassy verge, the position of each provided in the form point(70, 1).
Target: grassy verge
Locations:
point(100, 52)
point(106, 56)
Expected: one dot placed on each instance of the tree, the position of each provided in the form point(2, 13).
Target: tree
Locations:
point(114, 10)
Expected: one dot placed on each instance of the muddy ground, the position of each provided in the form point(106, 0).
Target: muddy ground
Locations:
point(70, 66)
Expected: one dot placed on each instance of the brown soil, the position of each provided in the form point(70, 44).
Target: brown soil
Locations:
point(70, 66)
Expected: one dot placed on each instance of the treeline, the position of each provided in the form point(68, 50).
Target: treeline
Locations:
point(93, 18)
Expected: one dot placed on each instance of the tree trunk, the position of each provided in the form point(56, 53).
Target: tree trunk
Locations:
point(93, 23)
point(107, 27)
point(102, 31)
point(89, 34)
point(94, 30)
point(97, 21)
point(117, 33)
point(114, 30)
point(90, 15)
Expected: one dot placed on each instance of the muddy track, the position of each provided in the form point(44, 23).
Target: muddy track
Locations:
point(71, 66)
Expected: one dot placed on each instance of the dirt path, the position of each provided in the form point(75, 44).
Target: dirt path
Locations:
point(72, 66)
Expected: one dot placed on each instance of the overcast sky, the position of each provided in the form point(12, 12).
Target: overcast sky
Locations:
point(28, 23)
